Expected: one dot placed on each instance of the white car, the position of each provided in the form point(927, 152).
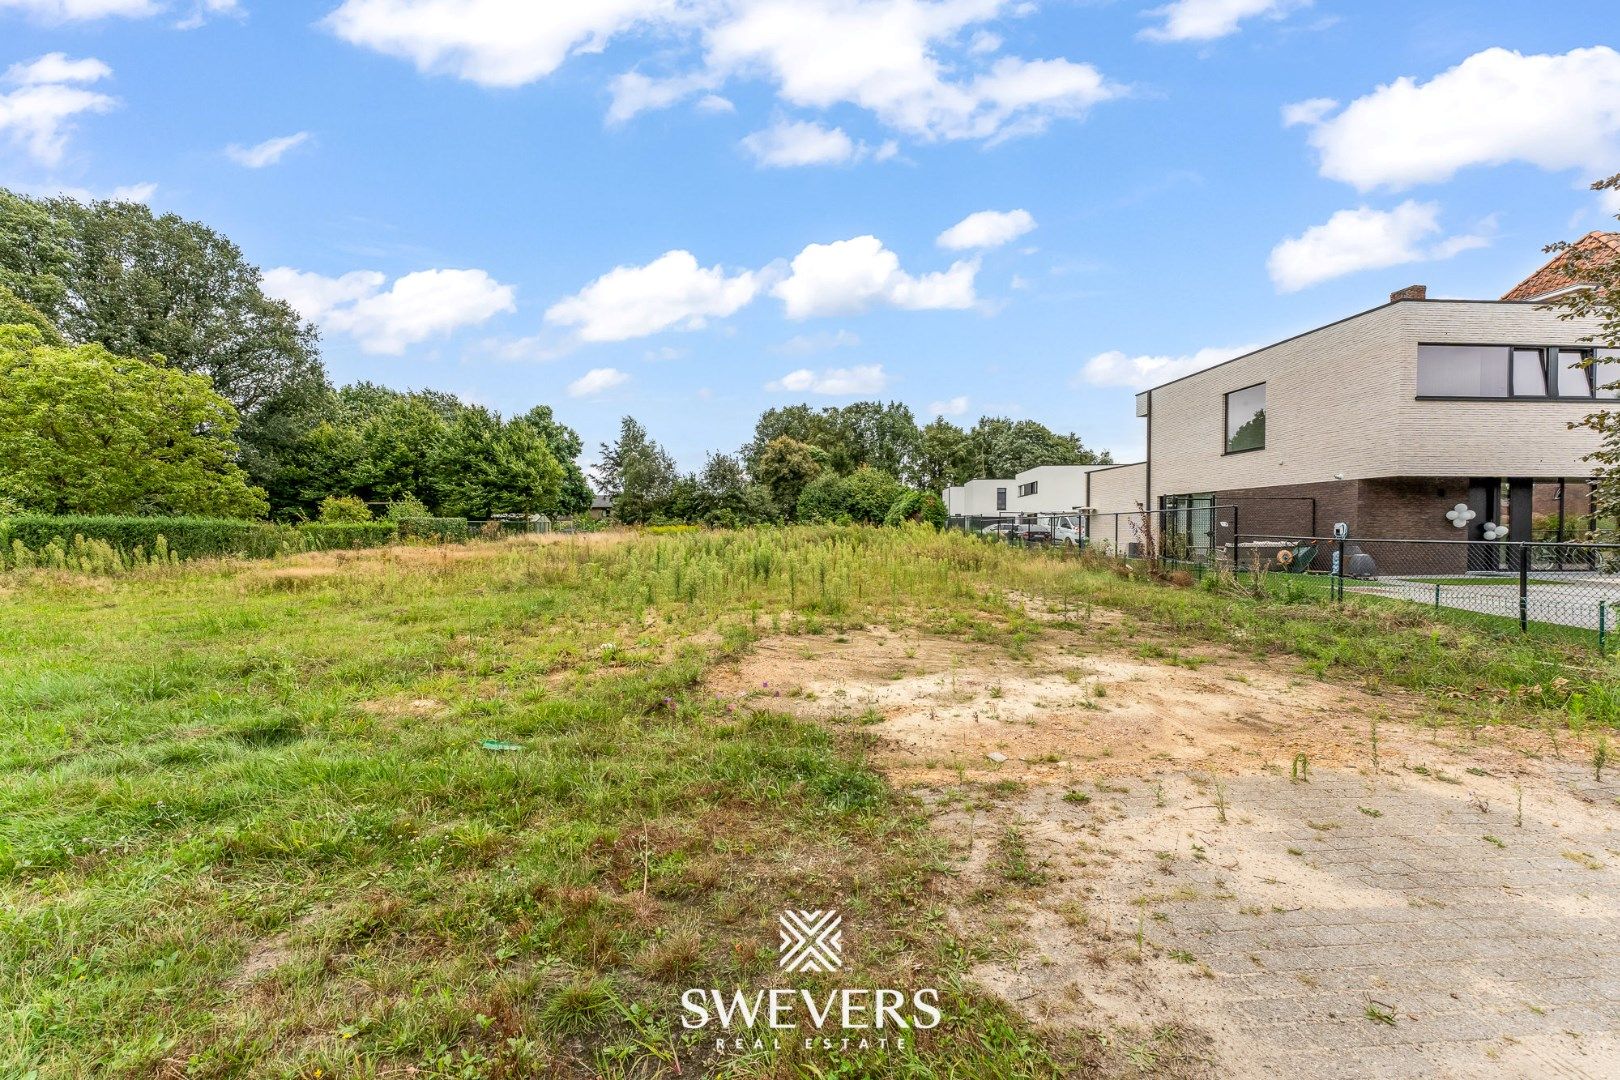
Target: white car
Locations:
point(1066, 530)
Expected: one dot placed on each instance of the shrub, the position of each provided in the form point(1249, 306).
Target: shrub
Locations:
point(922, 506)
point(344, 509)
point(823, 499)
point(869, 493)
point(408, 507)
point(186, 538)
point(331, 535)
point(443, 530)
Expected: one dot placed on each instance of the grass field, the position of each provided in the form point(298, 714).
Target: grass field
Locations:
point(249, 826)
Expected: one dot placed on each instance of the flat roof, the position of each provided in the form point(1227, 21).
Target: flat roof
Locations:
point(1337, 322)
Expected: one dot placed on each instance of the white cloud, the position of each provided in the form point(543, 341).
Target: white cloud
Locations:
point(597, 381)
point(416, 307)
point(806, 344)
point(62, 11)
point(714, 103)
point(833, 382)
point(38, 114)
point(849, 276)
point(268, 152)
point(204, 8)
point(495, 42)
point(987, 229)
point(789, 143)
point(57, 68)
point(1114, 368)
point(137, 193)
point(1554, 112)
point(923, 68)
point(956, 406)
point(1308, 112)
point(1363, 239)
point(1206, 20)
point(672, 291)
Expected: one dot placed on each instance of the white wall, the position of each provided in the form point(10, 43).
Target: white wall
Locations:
point(979, 497)
point(1059, 488)
point(955, 499)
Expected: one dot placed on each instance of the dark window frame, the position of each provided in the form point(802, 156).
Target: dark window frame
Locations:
point(1226, 422)
point(1549, 372)
point(1031, 488)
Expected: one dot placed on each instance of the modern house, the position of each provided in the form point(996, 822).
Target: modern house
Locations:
point(1053, 489)
point(980, 498)
point(1386, 421)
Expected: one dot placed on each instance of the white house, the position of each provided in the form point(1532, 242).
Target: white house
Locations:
point(980, 498)
point(1052, 489)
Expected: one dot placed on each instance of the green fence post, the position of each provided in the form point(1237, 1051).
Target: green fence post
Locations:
point(1437, 596)
point(1603, 627)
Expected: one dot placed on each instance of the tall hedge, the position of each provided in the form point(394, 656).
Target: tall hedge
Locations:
point(189, 538)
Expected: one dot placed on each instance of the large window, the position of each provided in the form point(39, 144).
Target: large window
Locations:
point(1499, 371)
point(1462, 371)
point(1001, 498)
point(1025, 490)
point(1606, 371)
point(1529, 374)
point(1246, 419)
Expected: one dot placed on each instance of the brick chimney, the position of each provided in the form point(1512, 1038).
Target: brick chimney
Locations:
point(1411, 292)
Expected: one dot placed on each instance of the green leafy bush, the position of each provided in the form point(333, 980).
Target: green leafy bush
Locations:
point(408, 507)
point(186, 538)
point(345, 509)
point(923, 506)
point(444, 530)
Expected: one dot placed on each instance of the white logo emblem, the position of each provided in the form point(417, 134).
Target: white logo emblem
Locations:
point(811, 941)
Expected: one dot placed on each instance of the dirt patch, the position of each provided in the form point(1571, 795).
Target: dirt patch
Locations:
point(403, 706)
point(1068, 709)
point(1149, 834)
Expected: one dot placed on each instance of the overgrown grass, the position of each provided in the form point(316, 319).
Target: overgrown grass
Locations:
point(249, 827)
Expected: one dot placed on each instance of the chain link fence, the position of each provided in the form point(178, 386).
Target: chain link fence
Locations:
point(1563, 587)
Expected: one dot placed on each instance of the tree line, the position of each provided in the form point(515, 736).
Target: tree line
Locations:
point(850, 463)
point(143, 370)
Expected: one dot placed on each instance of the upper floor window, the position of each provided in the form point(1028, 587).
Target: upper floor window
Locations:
point(1500, 371)
point(1246, 419)
point(1028, 489)
point(1001, 498)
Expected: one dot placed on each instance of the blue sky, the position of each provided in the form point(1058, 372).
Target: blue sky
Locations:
point(691, 210)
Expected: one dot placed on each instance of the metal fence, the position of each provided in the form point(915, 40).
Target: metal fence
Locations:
point(1570, 584)
point(1538, 585)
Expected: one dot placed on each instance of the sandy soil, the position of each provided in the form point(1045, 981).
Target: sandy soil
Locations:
point(1136, 843)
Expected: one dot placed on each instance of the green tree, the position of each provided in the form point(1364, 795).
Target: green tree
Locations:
point(15, 311)
point(824, 499)
point(1596, 269)
point(942, 456)
point(85, 431)
point(574, 496)
point(139, 284)
point(1000, 447)
point(636, 473)
point(784, 467)
point(482, 467)
point(868, 494)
